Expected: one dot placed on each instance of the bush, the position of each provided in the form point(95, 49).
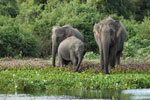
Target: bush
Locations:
point(124, 8)
point(9, 8)
point(91, 55)
point(135, 47)
point(143, 30)
point(144, 52)
point(14, 41)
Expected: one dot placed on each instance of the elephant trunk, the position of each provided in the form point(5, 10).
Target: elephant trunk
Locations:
point(79, 63)
point(54, 51)
point(106, 55)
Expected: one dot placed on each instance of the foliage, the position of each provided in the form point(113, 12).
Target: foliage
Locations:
point(142, 9)
point(124, 8)
point(135, 47)
point(130, 26)
point(91, 55)
point(9, 8)
point(31, 21)
point(55, 78)
point(143, 29)
point(16, 41)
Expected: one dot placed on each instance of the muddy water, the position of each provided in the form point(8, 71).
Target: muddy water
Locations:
point(133, 94)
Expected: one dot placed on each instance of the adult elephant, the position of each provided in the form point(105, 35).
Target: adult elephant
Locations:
point(61, 33)
point(110, 36)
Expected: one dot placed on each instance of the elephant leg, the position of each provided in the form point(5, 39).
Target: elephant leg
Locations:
point(102, 60)
point(118, 58)
point(112, 57)
point(61, 61)
point(102, 57)
point(73, 58)
point(74, 61)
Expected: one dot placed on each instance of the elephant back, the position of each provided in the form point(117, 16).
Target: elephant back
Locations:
point(70, 31)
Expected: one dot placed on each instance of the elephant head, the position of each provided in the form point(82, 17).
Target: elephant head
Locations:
point(109, 27)
point(61, 33)
point(109, 32)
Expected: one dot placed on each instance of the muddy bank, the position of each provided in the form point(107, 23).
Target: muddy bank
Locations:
point(86, 65)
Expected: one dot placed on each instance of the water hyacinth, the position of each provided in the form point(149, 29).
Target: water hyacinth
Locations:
point(54, 78)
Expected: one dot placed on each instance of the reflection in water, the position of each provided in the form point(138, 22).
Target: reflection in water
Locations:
point(133, 94)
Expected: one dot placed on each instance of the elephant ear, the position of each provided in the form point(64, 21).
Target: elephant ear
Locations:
point(118, 28)
point(97, 30)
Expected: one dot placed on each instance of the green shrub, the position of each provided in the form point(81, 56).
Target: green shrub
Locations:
point(143, 52)
point(143, 30)
point(91, 55)
point(9, 8)
point(15, 41)
point(124, 8)
point(135, 47)
point(130, 26)
point(42, 30)
point(30, 46)
point(129, 51)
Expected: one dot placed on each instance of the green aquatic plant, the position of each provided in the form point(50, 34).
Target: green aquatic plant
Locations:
point(48, 78)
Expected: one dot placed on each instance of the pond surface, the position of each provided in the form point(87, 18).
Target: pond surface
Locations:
point(132, 94)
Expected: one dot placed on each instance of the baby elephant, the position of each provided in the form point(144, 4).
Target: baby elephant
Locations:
point(71, 50)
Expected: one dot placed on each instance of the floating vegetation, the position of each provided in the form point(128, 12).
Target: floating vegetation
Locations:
point(46, 78)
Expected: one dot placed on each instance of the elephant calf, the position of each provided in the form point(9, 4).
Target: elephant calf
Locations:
point(71, 50)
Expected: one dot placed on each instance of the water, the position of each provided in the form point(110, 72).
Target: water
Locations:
point(132, 94)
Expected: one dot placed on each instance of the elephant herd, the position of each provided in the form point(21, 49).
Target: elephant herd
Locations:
point(68, 42)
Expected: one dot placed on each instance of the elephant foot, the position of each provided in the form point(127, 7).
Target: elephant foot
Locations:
point(76, 70)
point(106, 71)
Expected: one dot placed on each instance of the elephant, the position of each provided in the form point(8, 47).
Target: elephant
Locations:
point(59, 34)
point(110, 36)
point(71, 50)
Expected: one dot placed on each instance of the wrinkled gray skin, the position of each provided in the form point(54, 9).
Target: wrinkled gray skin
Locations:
point(61, 33)
point(110, 39)
point(71, 50)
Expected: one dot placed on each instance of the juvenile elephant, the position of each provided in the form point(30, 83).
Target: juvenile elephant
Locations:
point(71, 50)
point(61, 33)
point(110, 36)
